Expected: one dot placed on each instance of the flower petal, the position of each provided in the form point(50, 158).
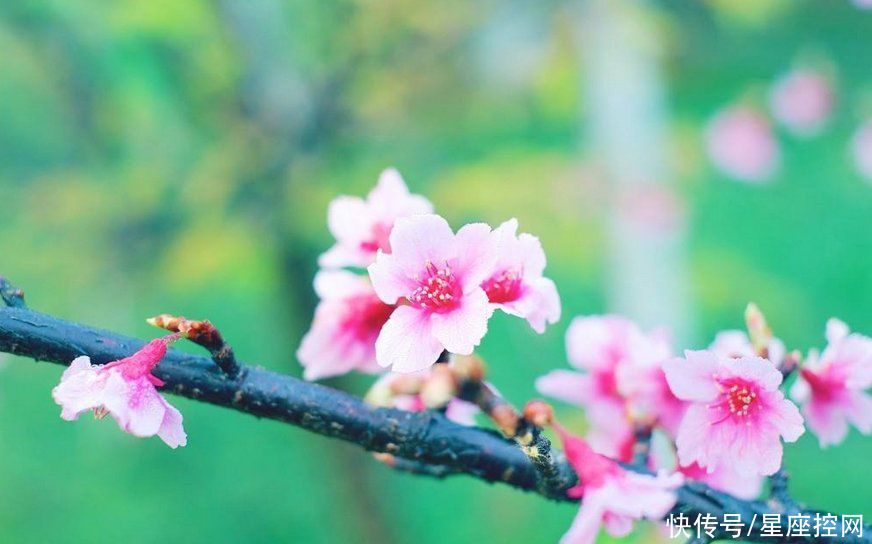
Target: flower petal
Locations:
point(692, 378)
point(406, 342)
point(462, 328)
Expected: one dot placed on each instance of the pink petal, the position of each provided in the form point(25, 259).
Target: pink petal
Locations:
point(406, 342)
point(390, 281)
point(540, 304)
point(475, 254)
point(171, 430)
point(419, 239)
point(566, 385)
point(836, 330)
point(586, 524)
point(80, 389)
point(692, 378)
point(827, 422)
point(336, 284)
point(758, 370)
point(784, 415)
point(591, 341)
point(390, 198)
point(462, 328)
point(859, 411)
point(135, 405)
point(532, 255)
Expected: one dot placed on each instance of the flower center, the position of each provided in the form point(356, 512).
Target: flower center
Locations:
point(438, 289)
point(738, 400)
point(365, 316)
point(503, 286)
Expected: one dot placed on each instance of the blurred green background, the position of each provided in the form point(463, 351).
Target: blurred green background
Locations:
point(179, 157)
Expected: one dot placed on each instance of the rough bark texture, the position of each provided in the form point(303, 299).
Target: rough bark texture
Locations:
point(425, 438)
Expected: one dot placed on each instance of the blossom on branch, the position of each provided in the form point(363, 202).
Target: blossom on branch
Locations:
point(435, 276)
point(346, 324)
point(611, 495)
point(124, 389)
point(737, 414)
point(622, 381)
point(362, 227)
point(832, 386)
point(516, 285)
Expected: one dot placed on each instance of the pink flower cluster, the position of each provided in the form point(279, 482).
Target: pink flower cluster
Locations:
point(832, 386)
point(612, 496)
point(429, 289)
point(124, 389)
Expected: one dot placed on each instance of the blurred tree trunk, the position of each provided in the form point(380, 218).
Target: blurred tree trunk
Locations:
point(297, 117)
point(627, 119)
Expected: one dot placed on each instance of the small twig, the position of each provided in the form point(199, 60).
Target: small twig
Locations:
point(641, 445)
point(12, 296)
point(553, 478)
point(779, 495)
point(204, 334)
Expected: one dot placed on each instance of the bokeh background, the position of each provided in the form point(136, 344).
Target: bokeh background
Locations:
point(179, 157)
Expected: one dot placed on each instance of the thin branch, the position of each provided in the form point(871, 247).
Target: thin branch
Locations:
point(205, 334)
point(11, 295)
point(423, 437)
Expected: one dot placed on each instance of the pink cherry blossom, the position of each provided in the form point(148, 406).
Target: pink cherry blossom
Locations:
point(458, 411)
point(802, 100)
point(436, 275)
point(516, 285)
point(612, 496)
point(125, 389)
point(346, 325)
point(622, 380)
point(362, 227)
point(736, 344)
point(739, 484)
point(863, 4)
point(737, 414)
point(862, 148)
point(832, 386)
point(741, 144)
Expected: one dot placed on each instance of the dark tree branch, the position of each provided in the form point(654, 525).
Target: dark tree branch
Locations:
point(426, 438)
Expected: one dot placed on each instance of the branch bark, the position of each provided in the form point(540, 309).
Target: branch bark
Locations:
point(426, 438)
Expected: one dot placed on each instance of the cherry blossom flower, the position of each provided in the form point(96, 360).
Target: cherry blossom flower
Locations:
point(456, 410)
point(802, 100)
point(516, 285)
point(124, 389)
point(612, 496)
point(346, 325)
point(362, 227)
point(437, 276)
point(735, 344)
point(741, 144)
point(622, 380)
point(737, 414)
point(740, 484)
point(832, 386)
point(862, 148)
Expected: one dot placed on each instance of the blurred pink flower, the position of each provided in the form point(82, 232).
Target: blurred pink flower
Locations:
point(740, 484)
point(862, 148)
point(735, 344)
point(832, 387)
point(737, 414)
point(125, 389)
point(516, 284)
point(863, 4)
point(622, 380)
point(458, 411)
point(362, 227)
point(437, 275)
point(347, 322)
point(740, 143)
point(802, 101)
point(612, 496)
